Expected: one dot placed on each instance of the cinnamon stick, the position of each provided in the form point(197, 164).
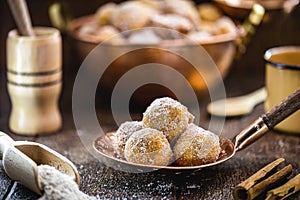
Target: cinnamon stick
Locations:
point(271, 181)
point(284, 191)
point(261, 181)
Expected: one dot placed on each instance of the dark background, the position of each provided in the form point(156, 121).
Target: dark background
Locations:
point(279, 28)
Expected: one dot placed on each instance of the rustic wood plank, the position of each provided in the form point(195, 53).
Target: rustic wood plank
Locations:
point(214, 183)
point(18, 191)
point(108, 183)
point(5, 183)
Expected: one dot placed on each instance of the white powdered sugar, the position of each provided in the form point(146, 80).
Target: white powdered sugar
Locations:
point(59, 186)
point(173, 21)
point(138, 37)
point(125, 130)
point(197, 146)
point(167, 115)
point(148, 146)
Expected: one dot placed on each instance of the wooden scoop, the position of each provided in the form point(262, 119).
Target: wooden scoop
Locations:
point(236, 106)
point(21, 158)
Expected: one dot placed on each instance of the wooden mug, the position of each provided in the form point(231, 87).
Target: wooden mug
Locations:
point(34, 80)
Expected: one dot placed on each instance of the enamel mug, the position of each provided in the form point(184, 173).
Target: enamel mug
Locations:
point(283, 78)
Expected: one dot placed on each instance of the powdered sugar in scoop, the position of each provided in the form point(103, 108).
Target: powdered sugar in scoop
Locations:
point(59, 186)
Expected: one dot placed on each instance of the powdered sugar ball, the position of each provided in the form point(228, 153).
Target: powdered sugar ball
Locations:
point(172, 21)
point(125, 130)
point(167, 115)
point(103, 14)
point(183, 8)
point(148, 146)
point(132, 15)
point(196, 146)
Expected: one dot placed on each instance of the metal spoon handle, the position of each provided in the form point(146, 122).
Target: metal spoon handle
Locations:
point(267, 121)
point(283, 110)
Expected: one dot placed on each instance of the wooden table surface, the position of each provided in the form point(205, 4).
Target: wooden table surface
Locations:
point(246, 75)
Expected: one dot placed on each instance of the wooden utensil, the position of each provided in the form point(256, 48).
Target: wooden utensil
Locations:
point(236, 106)
point(21, 16)
point(21, 158)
